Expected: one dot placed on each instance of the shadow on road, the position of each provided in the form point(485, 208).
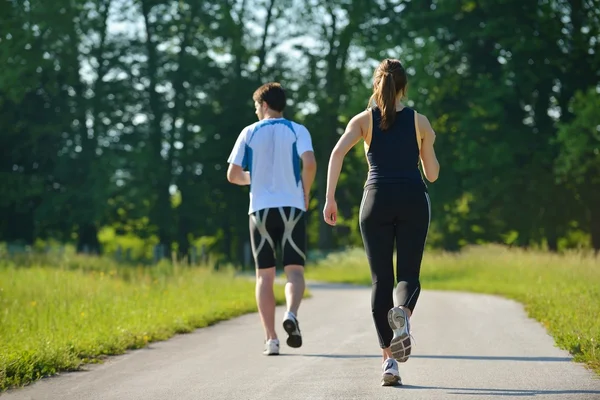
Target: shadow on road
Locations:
point(333, 355)
point(493, 358)
point(328, 286)
point(500, 392)
point(442, 357)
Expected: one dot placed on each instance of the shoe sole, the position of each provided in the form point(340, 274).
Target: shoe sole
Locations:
point(400, 344)
point(294, 340)
point(270, 354)
point(391, 380)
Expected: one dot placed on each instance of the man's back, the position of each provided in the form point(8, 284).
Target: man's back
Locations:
point(271, 149)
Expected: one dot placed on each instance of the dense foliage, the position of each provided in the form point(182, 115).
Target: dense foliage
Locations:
point(117, 116)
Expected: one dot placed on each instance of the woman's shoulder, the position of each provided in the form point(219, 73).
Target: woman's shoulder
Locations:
point(361, 121)
point(364, 117)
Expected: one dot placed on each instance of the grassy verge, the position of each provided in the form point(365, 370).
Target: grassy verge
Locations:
point(78, 310)
point(560, 291)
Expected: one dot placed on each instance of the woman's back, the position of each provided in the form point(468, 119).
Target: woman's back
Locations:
point(395, 211)
point(393, 154)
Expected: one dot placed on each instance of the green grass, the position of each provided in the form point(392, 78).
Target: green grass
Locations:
point(78, 310)
point(560, 291)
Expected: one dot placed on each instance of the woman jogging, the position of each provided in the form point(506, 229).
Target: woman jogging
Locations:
point(395, 207)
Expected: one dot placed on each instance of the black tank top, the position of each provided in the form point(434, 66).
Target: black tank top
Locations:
point(393, 155)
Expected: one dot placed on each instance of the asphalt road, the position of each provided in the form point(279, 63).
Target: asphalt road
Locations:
point(468, 346)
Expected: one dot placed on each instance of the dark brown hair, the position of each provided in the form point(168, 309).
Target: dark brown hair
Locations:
point(389, 80)
point(271, 93)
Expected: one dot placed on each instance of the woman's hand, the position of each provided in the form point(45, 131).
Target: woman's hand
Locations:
point(330, 212)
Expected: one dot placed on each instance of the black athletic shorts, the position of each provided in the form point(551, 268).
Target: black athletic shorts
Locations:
point(278, 229)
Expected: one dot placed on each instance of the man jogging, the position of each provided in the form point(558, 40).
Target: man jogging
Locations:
point(271, 150)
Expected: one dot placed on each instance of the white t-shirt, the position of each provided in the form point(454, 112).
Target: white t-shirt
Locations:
point(270, 149)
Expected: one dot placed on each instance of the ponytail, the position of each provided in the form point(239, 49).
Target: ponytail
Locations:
point(389, 81)
point(385, 97)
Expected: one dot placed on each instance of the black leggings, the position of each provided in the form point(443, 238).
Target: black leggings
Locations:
point(394, 214)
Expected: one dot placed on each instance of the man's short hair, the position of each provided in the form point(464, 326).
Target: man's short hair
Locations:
point(271, 93)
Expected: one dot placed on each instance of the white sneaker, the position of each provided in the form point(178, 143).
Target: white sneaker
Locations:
point(401, 342)
point(291, 326)
point(390, 376)
point(271, 347)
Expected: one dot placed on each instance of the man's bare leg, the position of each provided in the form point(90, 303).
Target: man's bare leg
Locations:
point(294, 291)
point(294, 288)
point(265, 299)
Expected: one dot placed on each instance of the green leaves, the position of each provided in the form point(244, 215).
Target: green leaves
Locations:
point(580, 141)
point(95, 119)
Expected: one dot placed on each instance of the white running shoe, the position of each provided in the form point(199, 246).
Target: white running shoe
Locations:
point(271, 347)
point(291, 326)
point(401, 342)
point(390, 376)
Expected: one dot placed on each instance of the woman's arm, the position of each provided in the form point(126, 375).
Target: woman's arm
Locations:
point(352, 134)
point(431, 166)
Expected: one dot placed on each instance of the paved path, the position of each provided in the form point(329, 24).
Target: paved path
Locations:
point(467, 347)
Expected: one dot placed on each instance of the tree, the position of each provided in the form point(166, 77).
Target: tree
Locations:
point(578, 165)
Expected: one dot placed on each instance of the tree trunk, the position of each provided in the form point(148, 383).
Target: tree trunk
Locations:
point(552, 241)
point(87, 240)
point(595, 226)
point(339, 41)
point(183, 231)
point(20, 224)
point(162, 173)
point(227, 239)
point(325, 231)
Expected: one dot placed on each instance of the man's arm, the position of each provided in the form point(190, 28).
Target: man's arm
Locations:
point(235, 171)
point(237, 176)
point(309, 163)
point(309, 171)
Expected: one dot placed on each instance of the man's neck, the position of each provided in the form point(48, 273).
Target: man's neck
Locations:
point(273, 116)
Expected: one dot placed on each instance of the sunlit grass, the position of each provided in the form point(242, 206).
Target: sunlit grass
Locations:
point(560, 291)
point(57, 318)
